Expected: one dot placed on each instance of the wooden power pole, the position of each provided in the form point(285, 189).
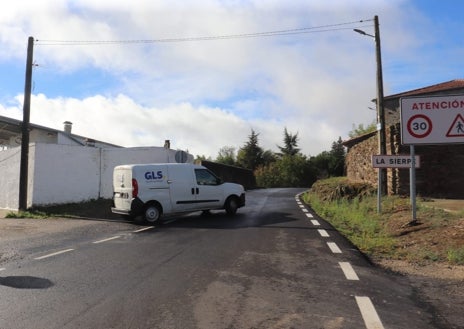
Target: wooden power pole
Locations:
point(24, 167)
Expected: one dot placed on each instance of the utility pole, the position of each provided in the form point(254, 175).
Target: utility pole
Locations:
point(380, 106)
point(24, 167)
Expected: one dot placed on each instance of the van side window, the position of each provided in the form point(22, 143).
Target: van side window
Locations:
point(206, 177)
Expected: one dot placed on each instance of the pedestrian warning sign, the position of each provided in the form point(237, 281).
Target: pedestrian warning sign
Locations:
point(457, 127)
point(432, 119)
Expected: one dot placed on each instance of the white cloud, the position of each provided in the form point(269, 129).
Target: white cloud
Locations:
point(209, 94)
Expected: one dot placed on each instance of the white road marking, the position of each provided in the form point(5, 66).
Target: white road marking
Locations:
point(368, 312)
point(348, 270)
point(108, 239)
point(334, 248)
point(301, 206)
point(2, 269)
point(323, 233)
point(305, 210)
point(53, 254)
point(143, 229)
point(309, 215)
point(315, 222)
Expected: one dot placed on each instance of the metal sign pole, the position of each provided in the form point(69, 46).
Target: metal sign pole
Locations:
point(412, 183)
point(379, 191)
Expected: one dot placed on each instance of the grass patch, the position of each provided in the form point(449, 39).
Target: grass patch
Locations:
point(354, 216)
point(351, 208)
point(456, 256)
point(27, 214)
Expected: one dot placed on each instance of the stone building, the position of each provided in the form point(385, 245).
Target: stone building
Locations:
point(441, 166)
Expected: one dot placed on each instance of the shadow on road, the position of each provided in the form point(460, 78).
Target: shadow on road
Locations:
point(220, 220)
point(25, 282)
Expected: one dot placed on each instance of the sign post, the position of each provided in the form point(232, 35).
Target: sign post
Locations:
point(430, 120)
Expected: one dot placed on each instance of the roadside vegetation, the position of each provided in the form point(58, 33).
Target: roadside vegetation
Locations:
point(437, 236)
point(286, 168)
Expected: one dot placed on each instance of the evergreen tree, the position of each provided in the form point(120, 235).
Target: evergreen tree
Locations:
point(337, 158)
point(290, 144)
point(250, 155)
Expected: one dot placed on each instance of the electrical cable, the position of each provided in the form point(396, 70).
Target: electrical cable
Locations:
point(316, 29)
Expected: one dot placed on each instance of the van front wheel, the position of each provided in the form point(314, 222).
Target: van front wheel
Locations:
point(152, 214)
point(231, 205)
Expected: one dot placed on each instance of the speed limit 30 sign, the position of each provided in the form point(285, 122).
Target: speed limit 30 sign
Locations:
point(432, 120)
point(419, 126)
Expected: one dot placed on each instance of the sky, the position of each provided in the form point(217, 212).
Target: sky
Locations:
point(205, 73)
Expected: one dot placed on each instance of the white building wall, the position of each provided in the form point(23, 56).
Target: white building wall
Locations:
point(63, 174)
point(69, 173)
point(9, 178)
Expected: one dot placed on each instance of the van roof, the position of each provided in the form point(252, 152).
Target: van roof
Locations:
point(158, 164)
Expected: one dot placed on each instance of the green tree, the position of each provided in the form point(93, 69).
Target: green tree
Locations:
point(361, 130)
point(337, 158)
point(268, 157)
point(331, 163)
point(321, 163)
point(226, 155)
point(200, 158)
point(250, 155)
point(290, 144)
point(287, 171)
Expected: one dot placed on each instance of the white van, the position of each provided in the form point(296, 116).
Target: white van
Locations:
point(153, 190)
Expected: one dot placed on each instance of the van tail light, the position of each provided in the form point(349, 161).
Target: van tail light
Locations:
point(135, 188)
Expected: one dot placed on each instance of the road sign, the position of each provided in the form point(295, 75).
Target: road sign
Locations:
point(394, 161)
point(432, 119)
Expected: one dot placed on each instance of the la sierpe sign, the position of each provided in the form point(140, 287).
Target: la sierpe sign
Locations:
point(432, 120)
point(395, 161)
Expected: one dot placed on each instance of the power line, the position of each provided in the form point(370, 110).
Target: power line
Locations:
point(316, 29)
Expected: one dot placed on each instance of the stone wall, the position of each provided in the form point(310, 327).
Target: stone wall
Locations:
point(358, 161)
point(441, 166)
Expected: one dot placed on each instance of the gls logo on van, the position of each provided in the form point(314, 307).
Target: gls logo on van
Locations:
point(152, 175)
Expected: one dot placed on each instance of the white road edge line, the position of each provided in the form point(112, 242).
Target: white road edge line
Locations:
point(108, 239)
point(309, 215)
point(334, 248)
point(53, 254)
point(368, 312)
point(304, 210)
point(315, 222)
point(348, 270)
point(323, 233)
point(143, 229)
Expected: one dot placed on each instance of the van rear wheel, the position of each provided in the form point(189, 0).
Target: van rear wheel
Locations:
point(152, 214)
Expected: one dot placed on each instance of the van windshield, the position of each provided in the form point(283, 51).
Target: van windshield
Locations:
point(206, 177)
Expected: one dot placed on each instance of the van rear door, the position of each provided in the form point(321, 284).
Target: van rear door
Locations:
point(122, 187)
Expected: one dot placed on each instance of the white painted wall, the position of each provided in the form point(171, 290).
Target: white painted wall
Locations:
point(63, 173)
point(70, 173)
point(10, 160)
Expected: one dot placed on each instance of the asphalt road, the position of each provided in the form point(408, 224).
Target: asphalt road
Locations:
point(274, 265)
